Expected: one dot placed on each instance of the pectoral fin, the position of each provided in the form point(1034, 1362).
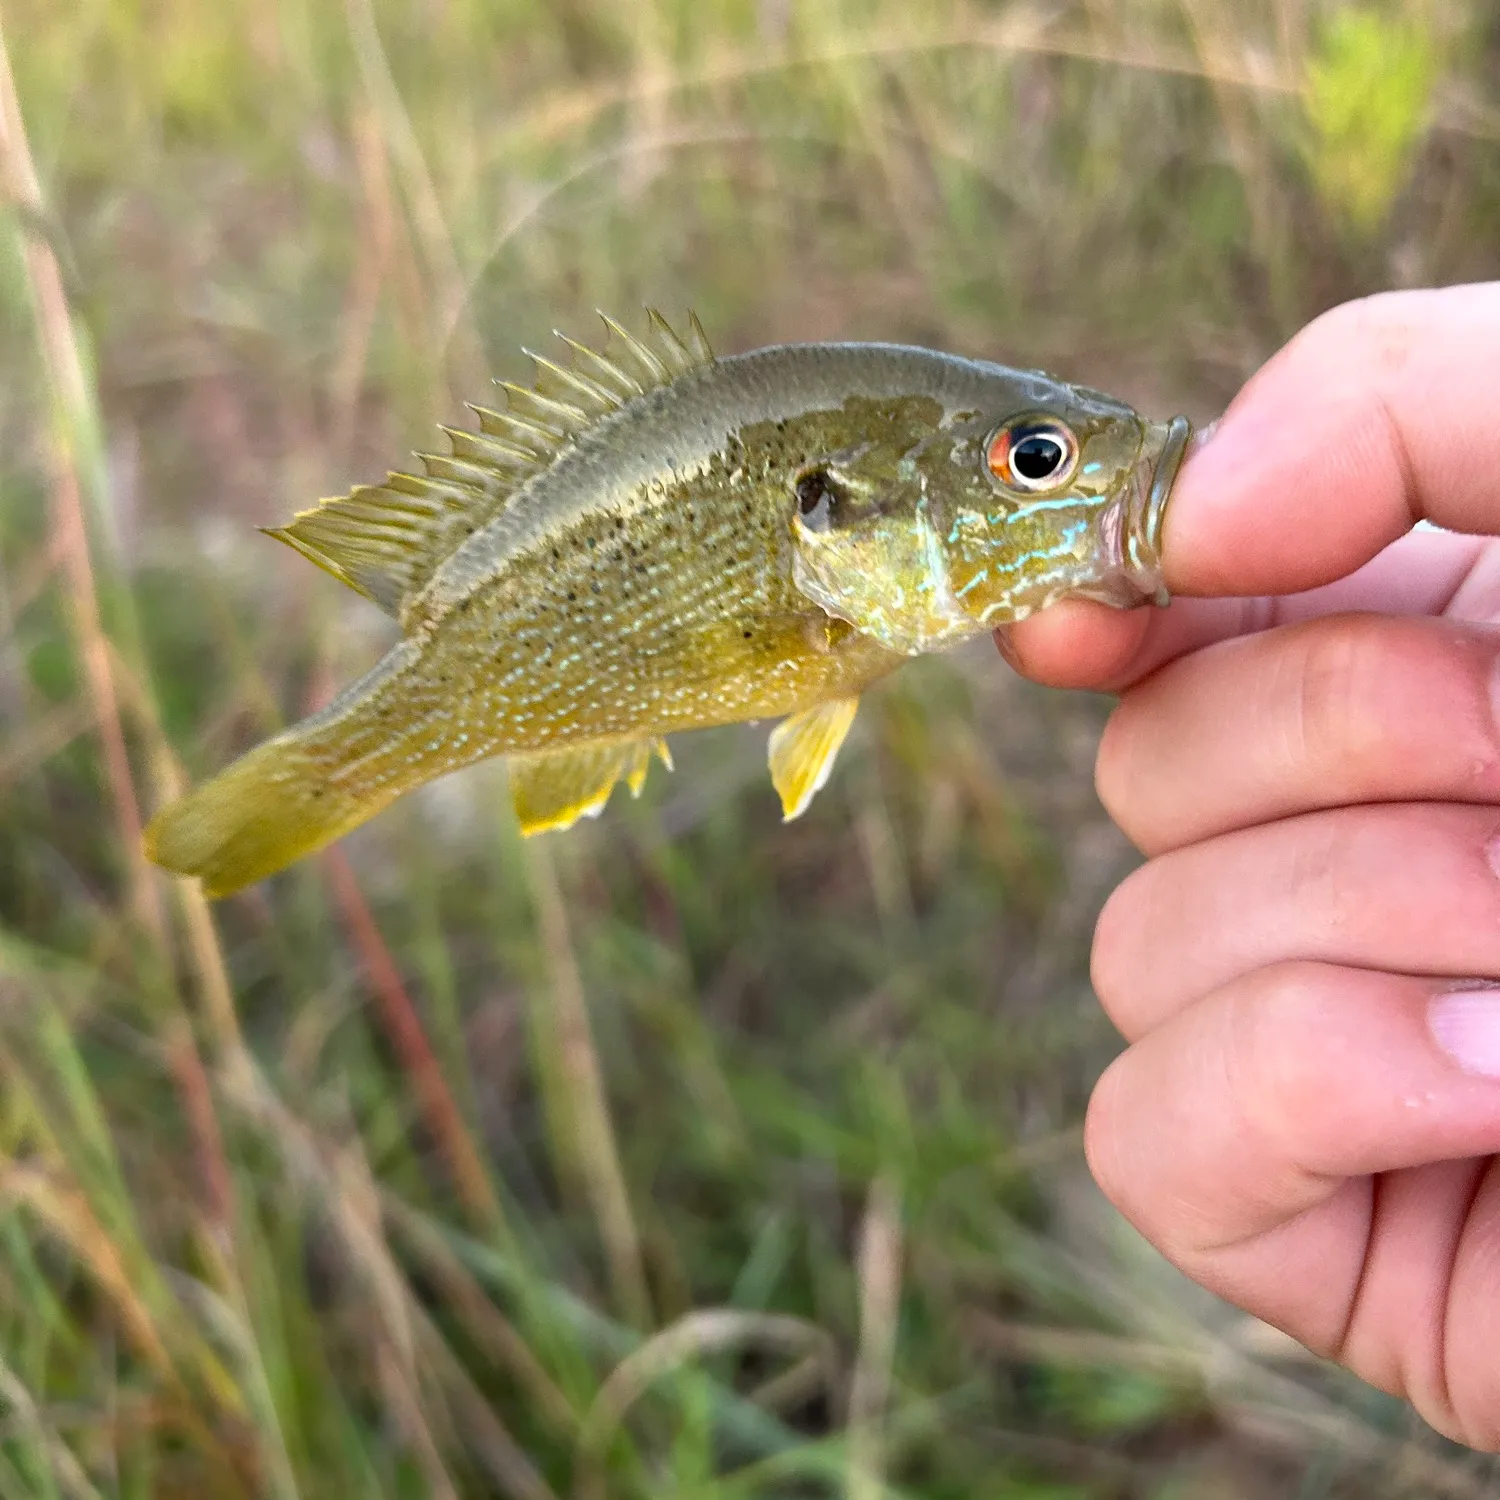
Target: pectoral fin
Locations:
point(554, 788)
point(803, 750)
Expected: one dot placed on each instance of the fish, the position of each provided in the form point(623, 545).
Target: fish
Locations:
point(649, 539)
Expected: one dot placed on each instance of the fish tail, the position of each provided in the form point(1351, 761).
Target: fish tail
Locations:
point(290, 796)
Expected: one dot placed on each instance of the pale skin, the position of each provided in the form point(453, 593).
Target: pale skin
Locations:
point(1307, 750)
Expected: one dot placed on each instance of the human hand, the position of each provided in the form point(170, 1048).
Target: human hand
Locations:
point(1308, 1114)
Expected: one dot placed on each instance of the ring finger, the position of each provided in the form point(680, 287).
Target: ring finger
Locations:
point(1339, 711)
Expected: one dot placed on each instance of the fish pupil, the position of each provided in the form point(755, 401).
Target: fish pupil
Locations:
point(817, 497)
point(811, 488)
point(1037, 456)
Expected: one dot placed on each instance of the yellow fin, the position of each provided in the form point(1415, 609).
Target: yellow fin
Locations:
point(296, 792)
point(803, 750)
point(554, 788)
point(386, 541)
point(640, 763)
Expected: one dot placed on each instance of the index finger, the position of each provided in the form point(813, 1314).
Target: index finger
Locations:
point(1379, 414)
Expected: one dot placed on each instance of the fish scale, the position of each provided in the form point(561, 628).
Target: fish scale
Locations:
point(652, 540)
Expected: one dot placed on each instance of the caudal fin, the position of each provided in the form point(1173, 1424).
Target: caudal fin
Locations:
point(262, 813)
point(312, 784)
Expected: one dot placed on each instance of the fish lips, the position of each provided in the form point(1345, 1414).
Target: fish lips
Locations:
point(1143, 531)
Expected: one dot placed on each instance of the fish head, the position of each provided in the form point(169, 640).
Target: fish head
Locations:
point(972, 513)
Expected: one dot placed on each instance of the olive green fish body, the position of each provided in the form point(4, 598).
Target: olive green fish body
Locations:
point(662, 541)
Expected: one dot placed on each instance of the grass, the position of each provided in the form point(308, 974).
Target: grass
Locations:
point(689, 1155)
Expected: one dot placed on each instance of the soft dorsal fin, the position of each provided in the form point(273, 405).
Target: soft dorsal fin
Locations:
point(386, 540)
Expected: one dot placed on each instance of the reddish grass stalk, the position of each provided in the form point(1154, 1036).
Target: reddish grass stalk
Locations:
point(191, 1078)
point(59, 346)
point(72, 407)
point(403, 1028)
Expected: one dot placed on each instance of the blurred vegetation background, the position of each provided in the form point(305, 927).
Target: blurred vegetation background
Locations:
point(686, 1155)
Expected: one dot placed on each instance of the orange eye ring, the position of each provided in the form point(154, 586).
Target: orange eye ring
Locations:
point(1034, 455)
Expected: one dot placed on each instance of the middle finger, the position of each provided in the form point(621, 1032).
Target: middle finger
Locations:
point(1334, 712)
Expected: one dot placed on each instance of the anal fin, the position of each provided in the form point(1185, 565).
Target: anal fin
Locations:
point(803, 749)
point(552, 789)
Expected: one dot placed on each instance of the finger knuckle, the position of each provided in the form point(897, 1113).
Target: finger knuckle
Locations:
point(1342, 696)
point(1327, 701)
point(1373, 324)
point(1275, 1083)
point(1322, 870)
point(1370, 696)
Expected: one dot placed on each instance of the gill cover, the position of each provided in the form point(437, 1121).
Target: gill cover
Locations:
point(887, 575)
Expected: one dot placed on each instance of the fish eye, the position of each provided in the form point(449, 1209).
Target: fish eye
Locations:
point(818, 498)
point(1033, 454)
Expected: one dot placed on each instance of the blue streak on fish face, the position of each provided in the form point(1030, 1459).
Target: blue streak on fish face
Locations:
point(923, 544)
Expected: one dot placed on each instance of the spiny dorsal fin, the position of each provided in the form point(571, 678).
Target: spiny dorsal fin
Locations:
point(387, 540)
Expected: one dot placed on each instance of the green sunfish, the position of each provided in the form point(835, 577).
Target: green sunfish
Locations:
point(650, 539)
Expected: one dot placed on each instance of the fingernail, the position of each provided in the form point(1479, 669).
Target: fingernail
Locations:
point(1466, 1025)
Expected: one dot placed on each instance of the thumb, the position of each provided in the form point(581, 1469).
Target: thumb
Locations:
point(1380, 413)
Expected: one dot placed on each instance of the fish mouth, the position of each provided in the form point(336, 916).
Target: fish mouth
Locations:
point(1147, 510)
